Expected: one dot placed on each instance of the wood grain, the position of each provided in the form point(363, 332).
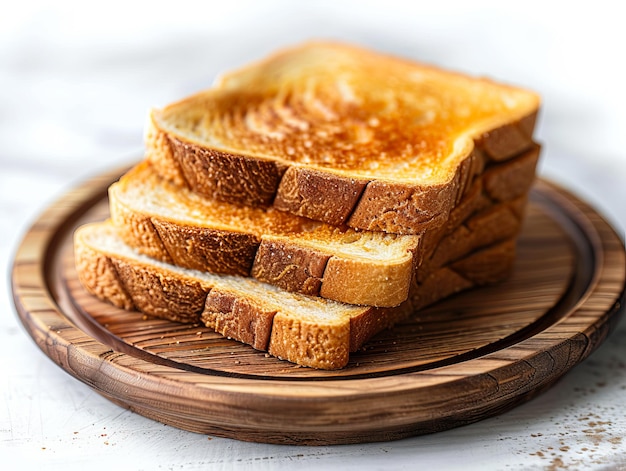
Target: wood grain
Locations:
point(462, 360)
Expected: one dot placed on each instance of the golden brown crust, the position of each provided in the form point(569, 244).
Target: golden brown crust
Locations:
point(308, 343)
point(494, 224)
point(488, 265)
point(160, 293)
point(137, 230)
point(236, 317)
point(506, 141)
point(318, 195)
point(290, 267)
point(403, 208)
point(475, 200)
point(508, 182)
point(206, 249)
point(226, 177)
point(159, 151)
point(97, 274)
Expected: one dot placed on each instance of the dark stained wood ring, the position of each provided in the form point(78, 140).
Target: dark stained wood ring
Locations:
point(467, 358)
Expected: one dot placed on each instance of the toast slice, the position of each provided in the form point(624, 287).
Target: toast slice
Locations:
point(178, 226)
point(310, 331)
point(175, 225)
point(342, 135)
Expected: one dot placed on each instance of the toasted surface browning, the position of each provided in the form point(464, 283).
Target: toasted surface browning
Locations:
point(348, 110)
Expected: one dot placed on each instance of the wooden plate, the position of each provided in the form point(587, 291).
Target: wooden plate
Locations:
point(465, 359)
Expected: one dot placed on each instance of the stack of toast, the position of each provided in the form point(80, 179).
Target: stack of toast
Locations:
point(308, 201)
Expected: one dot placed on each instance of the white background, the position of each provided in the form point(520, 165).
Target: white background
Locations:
point(76, 81)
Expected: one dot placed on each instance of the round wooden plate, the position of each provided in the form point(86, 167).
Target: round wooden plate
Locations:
point(467, 358)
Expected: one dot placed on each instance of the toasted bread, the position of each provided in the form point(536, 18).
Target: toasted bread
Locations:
point(342, 135)
point(175, 225)
point(310, 331)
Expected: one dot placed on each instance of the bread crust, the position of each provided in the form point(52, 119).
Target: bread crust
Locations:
point(160, 293)
point(489, 226)
point(239, 318)
point(138, 230)
point(285, 260)
point(226, 177)
point(98, 275)
point(291, 267)
point(506, 141)
point(325, 347)
point(205, 249)
point(508, 182)
point(318, 195)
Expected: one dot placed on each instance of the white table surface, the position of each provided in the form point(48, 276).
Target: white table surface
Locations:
point(76, 82)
